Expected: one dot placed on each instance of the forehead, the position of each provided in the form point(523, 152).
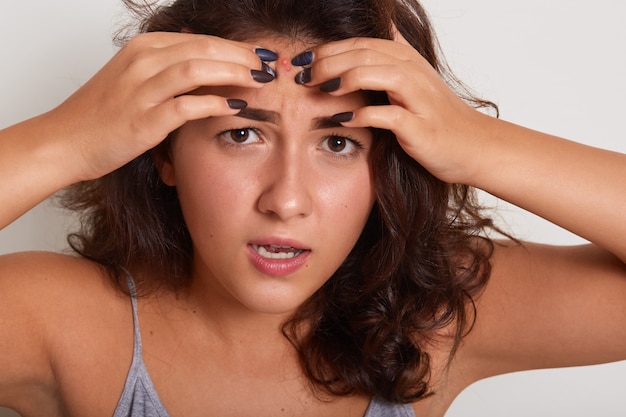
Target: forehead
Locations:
point(284, 95)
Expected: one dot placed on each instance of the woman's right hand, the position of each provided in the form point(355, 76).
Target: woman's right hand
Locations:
point(126, 109)
point(140, 96)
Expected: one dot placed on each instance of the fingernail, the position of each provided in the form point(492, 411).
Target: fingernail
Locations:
point(303, 77)
point(236, 104)
point(269, 70)
point(261, 76)
point(305, 58)
point(331, 85)
point(343, 117)
point(266, 55)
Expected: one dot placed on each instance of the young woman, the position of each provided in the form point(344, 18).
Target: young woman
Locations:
point(274, 224)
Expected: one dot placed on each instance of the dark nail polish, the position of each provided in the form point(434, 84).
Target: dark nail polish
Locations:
point(305, 58)
point(303, 77)
point(331, 85)
point(235, 103)
point(261, 76)
point(269, 70)
point(266, 55)
point(343, 117)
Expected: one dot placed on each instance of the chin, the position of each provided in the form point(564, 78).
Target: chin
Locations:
point(274, 304)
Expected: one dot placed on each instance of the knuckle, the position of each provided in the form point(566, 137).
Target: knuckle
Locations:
point(398, 78)
point(139, 62)
point(189, 69)
point(358, 73)
point(322, 68)
point(207, 45)
point(136, 42)
point(181, 107)
point(141, 41)
point(365, 57)
point(396, 115)
point(361, 43)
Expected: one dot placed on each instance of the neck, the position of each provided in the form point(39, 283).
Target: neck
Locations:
point(229, 320)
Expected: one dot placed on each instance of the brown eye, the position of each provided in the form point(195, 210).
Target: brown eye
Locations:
point(341, 146)
point(337, 144)
point(240, 135)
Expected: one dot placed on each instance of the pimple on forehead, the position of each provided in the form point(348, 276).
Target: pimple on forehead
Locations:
point(285, 63)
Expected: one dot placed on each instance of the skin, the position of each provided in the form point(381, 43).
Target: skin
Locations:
point(544, 306)
point(283, 183)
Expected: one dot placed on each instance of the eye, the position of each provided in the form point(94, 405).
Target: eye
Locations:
point(341, 145)
point(337, 144)
point(240, 136)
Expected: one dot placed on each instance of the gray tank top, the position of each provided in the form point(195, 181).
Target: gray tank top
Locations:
point(140, 399)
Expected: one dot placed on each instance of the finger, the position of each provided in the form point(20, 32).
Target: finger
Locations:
point(146, 59)
point(387, 67)
point(391, 48)
point(402, 84)
point(390, 117)
point(211, 47)
point(172, 114)
point(187, 76)
point(333, 66)
point(162, 40)
point(411, 131)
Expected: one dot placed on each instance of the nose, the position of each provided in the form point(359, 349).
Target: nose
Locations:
point(287, 182)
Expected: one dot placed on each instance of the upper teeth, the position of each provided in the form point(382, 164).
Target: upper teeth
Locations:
point(277, 252)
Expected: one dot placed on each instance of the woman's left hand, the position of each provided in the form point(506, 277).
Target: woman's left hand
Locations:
point(538, 172)
point(432, 124)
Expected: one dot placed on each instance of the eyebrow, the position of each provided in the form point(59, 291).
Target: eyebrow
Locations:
point(273, 117)
point(325, 123)
point(259, 115)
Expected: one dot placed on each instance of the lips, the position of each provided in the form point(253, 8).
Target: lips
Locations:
point(278, 258)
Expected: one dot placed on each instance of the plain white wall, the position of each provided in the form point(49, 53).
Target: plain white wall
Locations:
point(555, 66)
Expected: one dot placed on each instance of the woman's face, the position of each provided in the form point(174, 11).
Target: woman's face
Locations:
point(275, 197)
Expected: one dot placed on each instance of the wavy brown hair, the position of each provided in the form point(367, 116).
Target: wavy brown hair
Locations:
point(414, 271)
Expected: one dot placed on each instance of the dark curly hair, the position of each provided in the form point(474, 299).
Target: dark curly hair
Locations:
point(422, 256)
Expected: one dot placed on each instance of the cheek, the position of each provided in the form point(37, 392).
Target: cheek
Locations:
point(212, 195)
point(347, 204)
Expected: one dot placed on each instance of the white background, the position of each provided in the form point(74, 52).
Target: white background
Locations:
point(556, 66)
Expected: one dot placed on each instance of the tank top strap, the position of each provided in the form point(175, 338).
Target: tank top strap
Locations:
point(132, 289)
point(139, 397)
point(381, 408)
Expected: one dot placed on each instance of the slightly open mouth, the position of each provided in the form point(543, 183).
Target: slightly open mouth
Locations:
point(277, 252)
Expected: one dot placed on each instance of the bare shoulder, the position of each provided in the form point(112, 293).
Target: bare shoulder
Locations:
point(49, 305)
point(57, 291)
point(46, 266)
point(50, 281)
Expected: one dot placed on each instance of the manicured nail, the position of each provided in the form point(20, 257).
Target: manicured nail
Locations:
point(266, 55)
point(303, 77)
point(305, 58)
point(269, 70)
point(331, 85)
point(343, 117)
point(236, 104)
point(261, 76)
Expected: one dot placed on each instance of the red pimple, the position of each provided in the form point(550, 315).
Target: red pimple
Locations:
point(285, 64)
